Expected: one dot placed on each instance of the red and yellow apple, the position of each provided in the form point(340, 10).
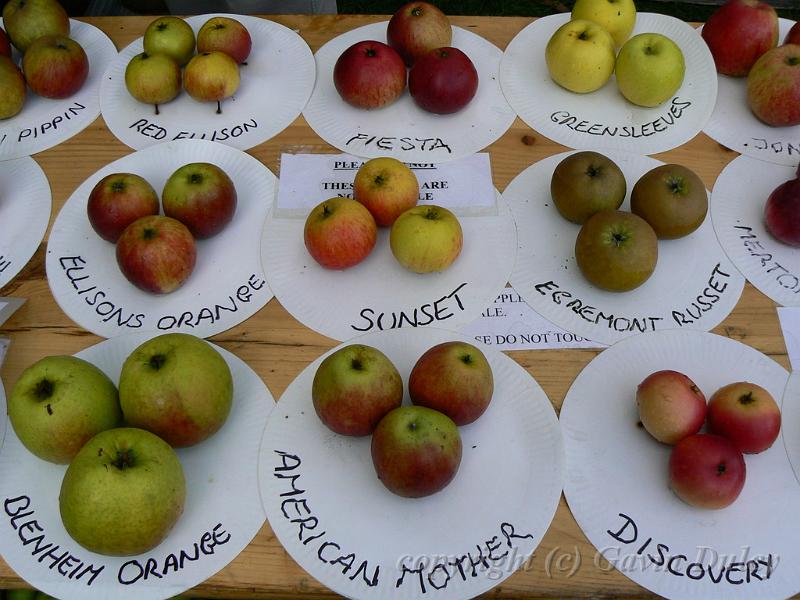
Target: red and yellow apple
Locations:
point(211, 77)
point(153, 79)
point(28, 20)
point(746, 414)
point(416, 29)
point(226, 35)
point(387, 188)
point(340, 233)
point(671, 406)
point(773, 86)
point(369, 74)
point(117, 200)
point(55, 66)
point(426, 239)
point(201, 196)
point(706, 471)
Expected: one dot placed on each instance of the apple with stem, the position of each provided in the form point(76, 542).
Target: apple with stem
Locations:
point(387, 188)
point(202, 197)
point(746, 414)
point(153, 79)
point(226, 35)
point(55, 66)
point(28, 20)
point(211, 77)
point(339, 233)
point(171, 36)
point(580, 56)
point(443, 81)
point(417, 28)
point(671, 406)
point(369, 74)
point(706, 471)
point(426, 239)
point(117, 200)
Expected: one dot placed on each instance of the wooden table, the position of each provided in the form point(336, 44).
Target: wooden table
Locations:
point(278, 347)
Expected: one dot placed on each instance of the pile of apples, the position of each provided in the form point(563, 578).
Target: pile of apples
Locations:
point(707, 470)
point(617, 250)
point(441, 79)
point(124, 488)
point(154, 76)
point(53, 64)
point(416, 449)
point(581, 54)
point(157, 253)
point(341, 232)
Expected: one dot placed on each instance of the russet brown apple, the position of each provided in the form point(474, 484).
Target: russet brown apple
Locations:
point(746, 414)
point(672, 198)
point(416, 29)
point(585, 183)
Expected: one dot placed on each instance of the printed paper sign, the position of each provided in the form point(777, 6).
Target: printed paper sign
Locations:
point(790, 324)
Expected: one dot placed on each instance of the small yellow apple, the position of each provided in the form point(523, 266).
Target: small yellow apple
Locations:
point(580, 56)
point(617, 16)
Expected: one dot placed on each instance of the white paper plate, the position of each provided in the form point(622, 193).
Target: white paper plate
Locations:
point(604, 119)
point(379, 293)
point(24, 214)
point(3, 411)
point(734, 125)
point(227, 285)
point(43, 122)
point(275, 85)
point(221, 492)
point(614, 467)
point(680, 293)
point(737, 210)
point(402, 129)
point(510, 477)
point(790, 421)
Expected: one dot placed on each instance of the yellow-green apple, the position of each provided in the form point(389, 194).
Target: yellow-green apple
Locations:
point(354, 387)
point(340, 233)
point(369, 74)
point(5, 45)
point(171, 36)
point(55, 66)
point(585, 183)
point(738, 33)
point(773, 86)
point(12, 88)
point(672, 198)
point(226, 35)
point(454, 378)
point(416, 451)
point(782, 212)
point(27, 20)
point(746, 414)
point(156, 254)
point(616, 250)
point(387, 188)
point(117, 200)
point(416, 29)
point(201, 196)
point(671, 406)
point(59, 403)
point(153, 78)
point(177, 386)
point(123, 492)
point(706, 471)
point(426, 239)
point(617, 16)
point(650, 69)
point(211, 77)
point(580, 56)
point(443, 81)
point(793, 37)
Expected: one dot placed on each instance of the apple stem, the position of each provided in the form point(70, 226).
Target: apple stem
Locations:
point(412, 426)
point(156, 105)
point(219, 108)
point(431, 214)
point(746, 398)
point(124, 459)
point(44, 389)
point(244, 64)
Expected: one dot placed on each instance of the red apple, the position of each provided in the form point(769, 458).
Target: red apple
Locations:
point(5, 45)
point(443, 81)
point(454, 378)
point(340, 233)
point(202, 197)
point(782, 212)
point(156, 254)
point(55, 66)
point(671, 406)
point(707, 471)
point(773, 86)
point(211, 77)
point(387, 188)
point(746, 414)
point(416, 29)
point(369, 74)
point(738, 33)
point(226, 35)
point(793, 37)
point(354, 387)
point(117, 200)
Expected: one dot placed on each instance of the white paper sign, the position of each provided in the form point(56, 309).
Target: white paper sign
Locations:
point(464, 185)
point(8, 306)
point(790, 324)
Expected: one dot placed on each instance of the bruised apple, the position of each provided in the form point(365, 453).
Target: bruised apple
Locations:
point(706, 471)
point(671, 406)
point(746, 414)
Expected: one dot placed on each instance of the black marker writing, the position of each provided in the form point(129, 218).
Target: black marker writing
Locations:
point(438, 310)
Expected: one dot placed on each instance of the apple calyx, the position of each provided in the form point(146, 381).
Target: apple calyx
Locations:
point(370, 52)
point(583, 35)
point(721, 468)
point(148, 233)
point(416, 11)
point(356, 365)
point(594, 170)
point(746, 399)
point(432, 214)
point(412, 426)
point(162, 26)
point(196, 178)
point(157, 361)
point(466, 359)
point(792, 61)
point(676, 185)
point(123, 460)
point(218, 26)
point(649, 50)
point(44, 389)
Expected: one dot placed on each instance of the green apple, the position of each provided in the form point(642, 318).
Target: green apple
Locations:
point(59, 403)
point(650, 69)
point(672, 198)
point(122, 493)
point(426, 239)
point(211, 77)
point(21, 594)
point(580, 56)
point(153, 79)
point(177, 386)
point(12, 88)
point(171, 36)
point(585, 183)
point(617, 16)
point(27, 20)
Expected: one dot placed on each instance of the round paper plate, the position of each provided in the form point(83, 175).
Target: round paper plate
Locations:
point(24, 213)
point(604, 119)
point(223, 511)
point(227, 285)
point(694, 285)
point(332, 514)
point(617, 477)
point(790, 421)
point(402, 129)
point(734, 125)
point(43, 122)
point(275, 85)
point(737, 210)
point(379, 293)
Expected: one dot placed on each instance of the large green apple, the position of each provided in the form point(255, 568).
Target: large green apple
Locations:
point(672, 198)
point(580, 56)
point(122, 493)
point(171, 36)
point(425, 239)
point(585, 183)
point(177, 386)
point(650, 69)
point(27, 20)
point(617, 16)
point(59, 403)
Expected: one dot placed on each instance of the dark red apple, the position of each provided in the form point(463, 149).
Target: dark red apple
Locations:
point(5, 45)
point(55, 66)
point(117, 200)
point(782, 212)
point(443, 81)
point(369, 74)
point(773, 86)
point(201, 196)
point(416, 29)
point(746, 414)
point(707, 471)
point(793, 37)
point(671, 406)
